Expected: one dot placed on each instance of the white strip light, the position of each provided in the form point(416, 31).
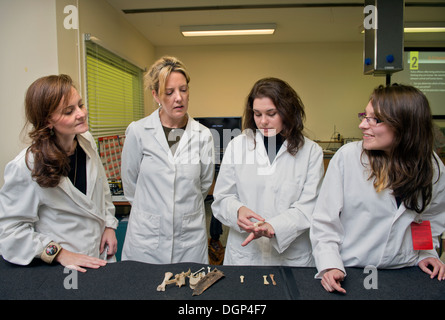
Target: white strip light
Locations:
point(424, 27)
point(228, 30)
point(420, 27)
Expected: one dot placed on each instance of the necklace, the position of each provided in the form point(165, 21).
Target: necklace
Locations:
point(75, 166)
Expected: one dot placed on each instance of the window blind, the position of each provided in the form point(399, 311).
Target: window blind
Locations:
point(114, 91)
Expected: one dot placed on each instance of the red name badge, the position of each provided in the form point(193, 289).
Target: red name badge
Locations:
point(422, 236)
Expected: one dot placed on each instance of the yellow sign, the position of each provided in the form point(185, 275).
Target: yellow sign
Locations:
point(414, 60)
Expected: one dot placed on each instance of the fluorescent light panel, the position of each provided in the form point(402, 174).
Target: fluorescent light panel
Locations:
point(420, 27)
point(228, 30)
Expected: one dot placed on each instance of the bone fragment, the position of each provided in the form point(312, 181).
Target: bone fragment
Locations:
point(265, 280)
point(195, 277)
point(167, 276)
point(207, 281)
point(273, 281)
point(180, 278)
point(258, 223)
point(241, 279)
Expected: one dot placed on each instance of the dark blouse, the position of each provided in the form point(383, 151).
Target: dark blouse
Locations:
point(270, 141)
point(78, 169)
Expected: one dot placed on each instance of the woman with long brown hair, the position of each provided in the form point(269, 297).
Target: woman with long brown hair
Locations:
point(269, 180)
point(379, 192)
point(56, 203)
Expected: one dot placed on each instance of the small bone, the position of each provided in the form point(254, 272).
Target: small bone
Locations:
point(180, 278)
point(258, 224)
point(195, 278)
point(265, 280)
point(194, 273)
point(167, 276)
point(273, 281)
point(241, 279)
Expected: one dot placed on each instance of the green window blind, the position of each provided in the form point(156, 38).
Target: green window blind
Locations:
point(114, 91)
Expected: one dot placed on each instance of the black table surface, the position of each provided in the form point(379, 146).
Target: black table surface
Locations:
point(130, 280)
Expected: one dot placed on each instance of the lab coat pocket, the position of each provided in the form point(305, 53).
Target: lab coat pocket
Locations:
point(288, 193)
point(193, 229)
point(146, 229)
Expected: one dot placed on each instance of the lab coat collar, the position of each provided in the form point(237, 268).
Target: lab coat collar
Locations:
point(84, 201)
point(388, 193)
point(154, 122)
point(262, 152)
point(91, 151)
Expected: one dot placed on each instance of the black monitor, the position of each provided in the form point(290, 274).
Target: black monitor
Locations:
point(223, 130)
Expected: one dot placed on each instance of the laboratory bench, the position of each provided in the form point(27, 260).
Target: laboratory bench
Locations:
point(130, 280)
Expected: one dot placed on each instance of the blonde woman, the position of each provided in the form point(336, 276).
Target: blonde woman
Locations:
point(167, 169)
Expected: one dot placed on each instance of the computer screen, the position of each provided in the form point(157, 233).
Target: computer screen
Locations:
point(223, 130)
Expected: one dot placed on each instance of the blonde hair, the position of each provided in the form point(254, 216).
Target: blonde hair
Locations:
point(158, 73)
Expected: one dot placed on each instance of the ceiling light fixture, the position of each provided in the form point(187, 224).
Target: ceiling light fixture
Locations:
point(228, 30)
point(419, 27)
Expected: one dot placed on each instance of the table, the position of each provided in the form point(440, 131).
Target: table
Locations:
point(130, 280)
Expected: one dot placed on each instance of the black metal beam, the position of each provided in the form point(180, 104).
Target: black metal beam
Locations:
point(271, 6)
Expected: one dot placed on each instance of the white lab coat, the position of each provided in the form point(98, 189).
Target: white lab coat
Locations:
point(31, 216)
point(283, 192)
point(353, 225)
point(167, 192)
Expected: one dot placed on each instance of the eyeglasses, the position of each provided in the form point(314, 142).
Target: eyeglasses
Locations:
point(371, 120)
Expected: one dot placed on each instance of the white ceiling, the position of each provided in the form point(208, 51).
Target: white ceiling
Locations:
point(297, 21)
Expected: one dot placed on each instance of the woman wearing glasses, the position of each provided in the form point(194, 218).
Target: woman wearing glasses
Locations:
point(379, 191)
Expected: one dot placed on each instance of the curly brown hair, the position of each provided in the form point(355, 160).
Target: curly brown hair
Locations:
point(50, 162)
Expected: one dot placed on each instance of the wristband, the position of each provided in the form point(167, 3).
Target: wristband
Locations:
point(50, 252)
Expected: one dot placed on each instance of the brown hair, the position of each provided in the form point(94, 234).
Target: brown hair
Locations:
point(408, 168)
point(42, 98)
point(289, 107)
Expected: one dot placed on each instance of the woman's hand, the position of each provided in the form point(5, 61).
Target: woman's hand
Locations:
point(331, 280)
point(109, 241)
point(438, 268)
point(256, 230)
point(77, 261)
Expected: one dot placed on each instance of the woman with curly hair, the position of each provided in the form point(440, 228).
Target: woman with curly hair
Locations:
point(56, 204)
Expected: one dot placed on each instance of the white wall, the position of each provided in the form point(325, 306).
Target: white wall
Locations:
point(28, 40)
point(327, 76)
